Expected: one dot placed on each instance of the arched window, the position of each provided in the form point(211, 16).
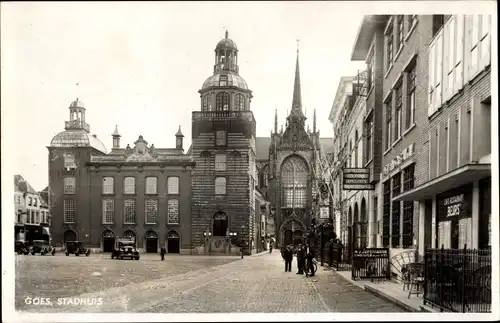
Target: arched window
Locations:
point(207, 102)
point(239, 102)
point(265, 176)
point(222, 101)
point(294, 182)
point(220, 224)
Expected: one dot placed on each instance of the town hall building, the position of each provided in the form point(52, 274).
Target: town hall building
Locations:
point(217, 194)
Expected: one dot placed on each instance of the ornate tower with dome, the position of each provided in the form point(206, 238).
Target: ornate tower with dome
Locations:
point(223, 147)
point(69, 151)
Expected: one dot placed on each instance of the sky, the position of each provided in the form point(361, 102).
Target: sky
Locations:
point(140, 65)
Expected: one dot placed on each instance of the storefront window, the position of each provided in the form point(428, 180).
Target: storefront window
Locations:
point(485, 213)
point(454, 218)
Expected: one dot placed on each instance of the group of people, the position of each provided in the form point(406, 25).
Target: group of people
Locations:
point(304, 259)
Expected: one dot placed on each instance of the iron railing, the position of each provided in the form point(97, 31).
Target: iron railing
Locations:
point(371, 263)
point(458, 280)
point(336, 257)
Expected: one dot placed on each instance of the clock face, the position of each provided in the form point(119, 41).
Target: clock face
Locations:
point(294, 138)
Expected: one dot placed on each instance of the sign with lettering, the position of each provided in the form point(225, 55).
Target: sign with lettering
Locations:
point(357, 179)
point(371, 253)
point(455, 203)
point(324, 213)
point(399, 159)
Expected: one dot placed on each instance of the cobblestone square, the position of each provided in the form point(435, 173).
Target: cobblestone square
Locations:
point(187, 284)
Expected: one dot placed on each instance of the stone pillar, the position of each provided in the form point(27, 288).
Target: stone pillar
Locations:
point(475, 216)
point(421, 229)
point(434, 222)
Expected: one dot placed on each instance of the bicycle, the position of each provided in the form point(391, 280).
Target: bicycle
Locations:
point(314, 267)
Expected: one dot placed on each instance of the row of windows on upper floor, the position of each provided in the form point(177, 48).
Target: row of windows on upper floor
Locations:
point(33, 217)
point(223, 102)
point(32, 201)
point(129, 187)
point(129, 211)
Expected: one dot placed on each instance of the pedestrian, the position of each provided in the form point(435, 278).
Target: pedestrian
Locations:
point(288, 257)
point(310, 265)
point(163, 252)
point(271, 247)
point(301, 257)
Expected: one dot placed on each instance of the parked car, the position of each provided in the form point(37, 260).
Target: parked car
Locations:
point(125, 248)
point(76, 248)
point(42, 247)
point(20, 247)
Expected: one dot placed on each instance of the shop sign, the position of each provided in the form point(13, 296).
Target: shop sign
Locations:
point(455, 204)
point(399, 159)
point(356, 179)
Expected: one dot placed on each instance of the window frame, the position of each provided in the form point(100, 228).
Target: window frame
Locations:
point(221, 99)
point(389, 43)
point(147, 185)
point(411, 76)
point(178, 211)
point(106, 185)
point(154, 202)
point(396, 211)
point(239, 102)
point(220, 141)
point(220, 165)
point(386, 213)
point(67, 212)
point(125, 185)
point(108, 215)
point(219, 185)
point(401, 31)
point(398, 110)
point(177, 186)
point(129, 215)
point(388, 123)
point(66, 185)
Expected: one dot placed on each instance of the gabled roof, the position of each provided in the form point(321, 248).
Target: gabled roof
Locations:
point(21, 185)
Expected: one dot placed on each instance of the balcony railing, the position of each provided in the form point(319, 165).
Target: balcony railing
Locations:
point(223, 115)
point(76, 124)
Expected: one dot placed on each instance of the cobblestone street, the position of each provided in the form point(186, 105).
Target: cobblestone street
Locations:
point(186, 284)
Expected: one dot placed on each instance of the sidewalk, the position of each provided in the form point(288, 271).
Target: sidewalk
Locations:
point(389, 290)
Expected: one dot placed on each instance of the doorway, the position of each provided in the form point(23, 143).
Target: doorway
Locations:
point(297, 238)
point(151, 242)
point(69, 235)
point(108, 241)
point(288, 238)
point(173, 242)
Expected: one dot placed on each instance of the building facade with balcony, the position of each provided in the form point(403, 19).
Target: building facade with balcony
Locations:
point(453, 187)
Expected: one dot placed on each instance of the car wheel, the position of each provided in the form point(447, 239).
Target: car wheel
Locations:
point(32, 253)
point(77, 254)
point(26, 253)
point(53, 252)
point(19, 253)
point(67, 253)
point(87, 254)
point(136, 258)
point(42, 253)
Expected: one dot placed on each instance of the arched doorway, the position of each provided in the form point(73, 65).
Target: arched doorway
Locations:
point(173, 242)
point(69, 235)
point(220, 224)
point(297, 237)
point(151, 242)
point(108, 241)
point(288, 240)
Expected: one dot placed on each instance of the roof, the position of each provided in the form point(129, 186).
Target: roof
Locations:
point(344, 81)
point(77, 138)
point(232, 80)
point(21, 185)
point(179, 133)
point(226, 43)
point(365, 34)
point(77, 104)
point(262, 147)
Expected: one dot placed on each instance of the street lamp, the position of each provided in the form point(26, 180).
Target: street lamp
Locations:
point(207, 233)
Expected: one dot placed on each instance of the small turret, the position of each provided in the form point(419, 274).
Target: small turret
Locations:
point(116, 138)
point(178, 139)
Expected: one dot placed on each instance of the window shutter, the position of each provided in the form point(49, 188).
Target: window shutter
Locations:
point(432, 56)
point(472, 53)
point(485, 49)
point(459, 52)
point(439, 72)
point(448, 64)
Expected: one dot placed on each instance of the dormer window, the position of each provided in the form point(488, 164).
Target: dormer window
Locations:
point(223, 80)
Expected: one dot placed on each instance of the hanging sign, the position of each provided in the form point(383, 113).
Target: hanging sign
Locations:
point(356, 179)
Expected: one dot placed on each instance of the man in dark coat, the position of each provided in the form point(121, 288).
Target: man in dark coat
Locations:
point(310, 265)
point(301, 259)
point(163, 252)
point(288, 257)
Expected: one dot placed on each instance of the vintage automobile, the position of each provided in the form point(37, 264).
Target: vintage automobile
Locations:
point(42, 247)
point(76, 248)
point(125, 248)
point(20, 247)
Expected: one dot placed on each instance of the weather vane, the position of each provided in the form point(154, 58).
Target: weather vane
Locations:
point(298, 40)
point(77, 84)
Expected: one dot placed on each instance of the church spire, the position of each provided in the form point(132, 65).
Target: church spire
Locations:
point(297, 96)
point(276, 121)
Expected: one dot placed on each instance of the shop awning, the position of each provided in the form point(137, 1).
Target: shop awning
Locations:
point(456, 178)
